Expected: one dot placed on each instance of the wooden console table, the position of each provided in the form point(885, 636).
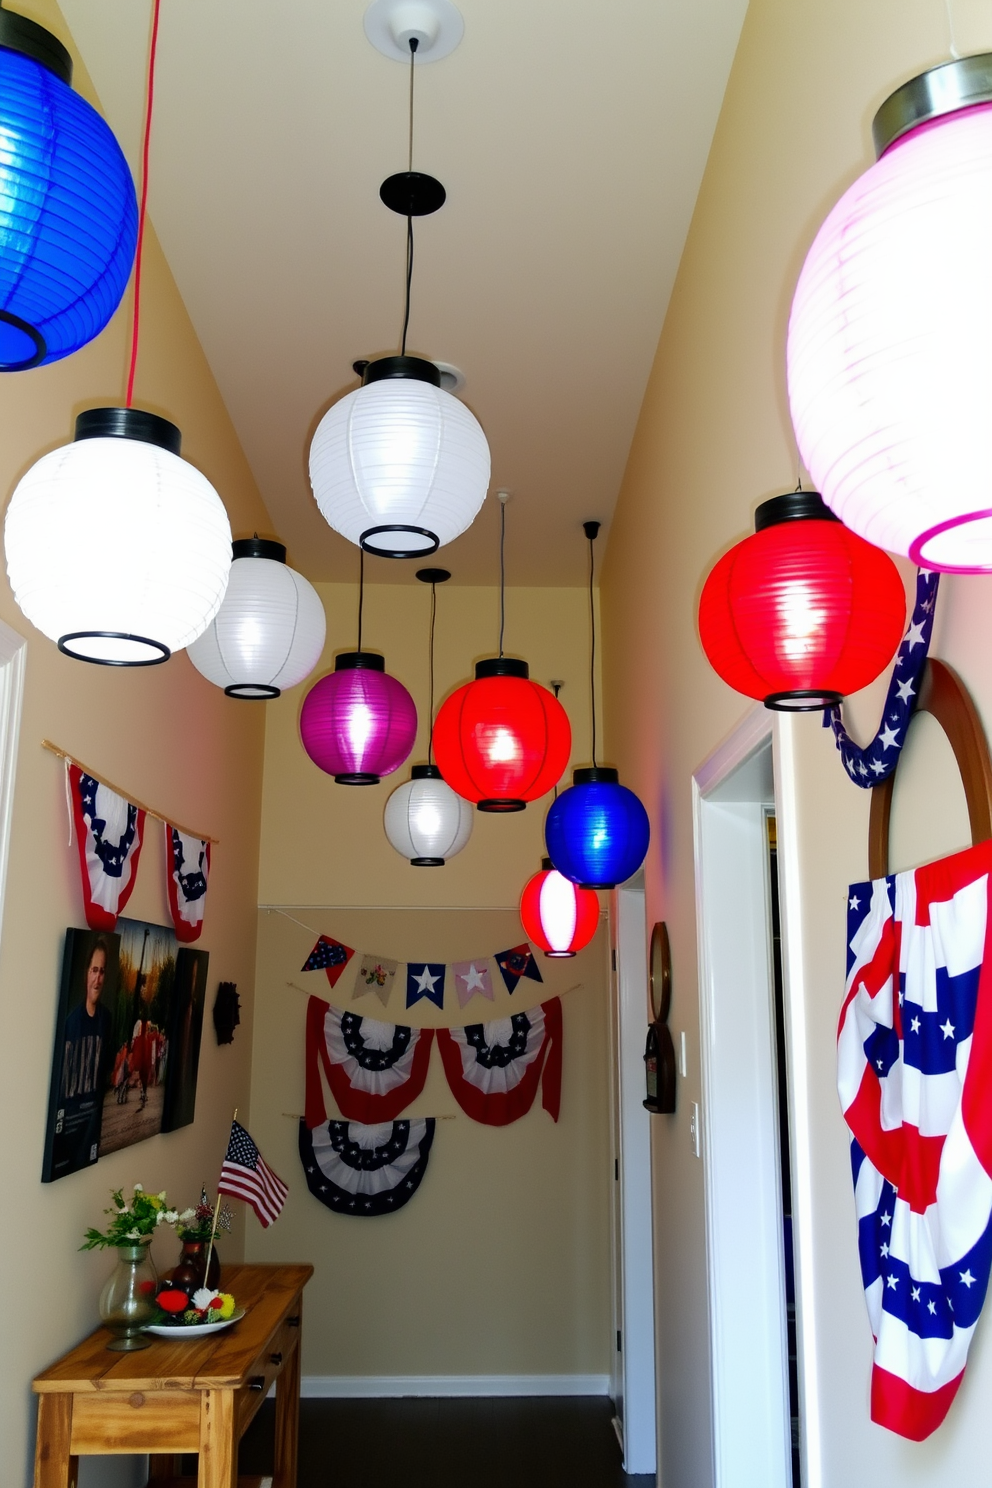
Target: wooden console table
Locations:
point(183, 1396)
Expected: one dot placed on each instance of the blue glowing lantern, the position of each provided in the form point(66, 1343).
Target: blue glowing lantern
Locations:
point(68, 215)
point(597, 832)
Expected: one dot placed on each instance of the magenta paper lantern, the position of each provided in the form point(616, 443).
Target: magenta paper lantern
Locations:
point(358, 723)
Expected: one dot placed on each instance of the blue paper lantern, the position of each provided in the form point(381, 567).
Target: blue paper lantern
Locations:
point(597, 832)
point(68, 215)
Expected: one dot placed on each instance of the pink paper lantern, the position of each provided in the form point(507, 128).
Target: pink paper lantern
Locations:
point(358, 723)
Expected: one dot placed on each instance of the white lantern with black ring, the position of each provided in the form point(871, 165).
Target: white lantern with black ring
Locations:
point(425, 820)
point(117, 549)
point(269, 632)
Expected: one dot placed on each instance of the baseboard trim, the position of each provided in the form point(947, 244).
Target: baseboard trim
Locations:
point(393, 1386)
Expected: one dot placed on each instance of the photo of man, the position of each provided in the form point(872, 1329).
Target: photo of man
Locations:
point(83, 1052)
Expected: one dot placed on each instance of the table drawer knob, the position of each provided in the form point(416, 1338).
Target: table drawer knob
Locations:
point(293, 1322)
point(258, 1383)
point(275, 1358)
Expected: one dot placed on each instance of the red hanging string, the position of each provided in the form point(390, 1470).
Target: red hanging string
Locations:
point(149, 102)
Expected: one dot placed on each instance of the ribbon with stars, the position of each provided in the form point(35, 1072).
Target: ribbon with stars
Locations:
point(876, 761)
point(366, 1170)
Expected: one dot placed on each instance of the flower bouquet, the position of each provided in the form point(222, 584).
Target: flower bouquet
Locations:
point(193, 1316)
point(127, 1300)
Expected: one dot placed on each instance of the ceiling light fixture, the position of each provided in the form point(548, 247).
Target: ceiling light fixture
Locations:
point(358, 723)
point(890, 380)
point(67, 204)
point(270, 630)
point(121, 491)
point(502, 740)
point(400, 466)
point(597, 832)
point(424, 819)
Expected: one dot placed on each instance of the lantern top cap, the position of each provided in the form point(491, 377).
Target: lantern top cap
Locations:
point(18, 34)
point(501, 666)
point(943, 90)
point(425, 772)
point(596, 775)
point(794, 506)
point(258, 547)
point(406, 368)
point(128, 423)
point(546, 865)
point(352, 661)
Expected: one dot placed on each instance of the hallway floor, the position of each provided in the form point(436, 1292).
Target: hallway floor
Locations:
point(430, 1443)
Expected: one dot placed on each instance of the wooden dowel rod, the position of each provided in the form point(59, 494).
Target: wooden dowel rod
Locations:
point(149, 810)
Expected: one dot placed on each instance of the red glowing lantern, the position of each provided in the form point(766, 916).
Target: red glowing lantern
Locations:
point(502, 740)
point(556, 914)
point(804, 612)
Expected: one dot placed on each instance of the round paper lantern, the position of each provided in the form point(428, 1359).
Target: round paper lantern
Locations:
point(68, 215)
point(425, 820)
point(268, 633)
point(556, 914)
point(890, 379)
point(502, 740)
point(803, 612)
point(116, 548)
point(358, 723)
point(597, 832)
point(399, 466)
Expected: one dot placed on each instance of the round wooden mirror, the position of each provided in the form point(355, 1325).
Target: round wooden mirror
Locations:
point(660, 973)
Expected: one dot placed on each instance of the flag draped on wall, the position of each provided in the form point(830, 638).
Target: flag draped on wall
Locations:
point(374, 1069)
point(494, 1068)
point(915, 1081)
point(187, 867)
point(365, 1170)
point(109, 831)
point(378, 975)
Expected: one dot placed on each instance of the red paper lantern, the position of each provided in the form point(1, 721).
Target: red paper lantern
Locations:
point(556, 914)
point(502, 740)
point(804, 612)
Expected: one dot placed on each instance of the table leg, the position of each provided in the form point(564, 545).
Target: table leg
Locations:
point(53, 1465)
point(218, 1464)
point(287, 1433)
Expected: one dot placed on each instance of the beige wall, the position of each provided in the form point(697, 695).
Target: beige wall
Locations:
point(518, 1214)
point(713, 439)
point(176, 743)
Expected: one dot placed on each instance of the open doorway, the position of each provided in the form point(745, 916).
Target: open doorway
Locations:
point(746, 1140)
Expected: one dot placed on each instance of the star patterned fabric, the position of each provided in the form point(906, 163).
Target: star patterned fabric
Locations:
point(425, 979)
point(914, 1057)
point(329, 956)
point(365, 1171)
point(374, 1069)
point(109, 831)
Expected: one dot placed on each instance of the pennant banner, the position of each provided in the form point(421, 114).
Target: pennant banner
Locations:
point(108, 833)
point(187, 867)
point(374, 1069)
point(377, 975)
point(914, 1058)
point(365, 1170)
point(494, 1068)
point(330, 957)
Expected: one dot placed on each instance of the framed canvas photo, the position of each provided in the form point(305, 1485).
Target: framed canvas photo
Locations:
point(134, 1091)
point(185, 1030)
point(84, 1036)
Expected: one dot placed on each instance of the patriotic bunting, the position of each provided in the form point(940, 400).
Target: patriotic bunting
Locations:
point(472, 979)
point(378, 975)
point(330, 957)
point(425, 979)
point(494, 1068)
point(108, 833)
point(374, 1069)
point(516, 963)
point(365, 1170)
point(915, 1079)
point(375, 974)
point(187, 867)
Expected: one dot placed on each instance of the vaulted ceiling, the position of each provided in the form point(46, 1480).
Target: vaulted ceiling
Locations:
point(571, 137)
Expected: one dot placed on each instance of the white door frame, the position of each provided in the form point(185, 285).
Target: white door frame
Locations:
point(745, 1261)
point(633, 1267)
point(13, 654)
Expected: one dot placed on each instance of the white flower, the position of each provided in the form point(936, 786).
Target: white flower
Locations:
point(133, 1235)
point(162, 1196)
point(138, 1188)
point(171, 1216)
point(203, 1298)
point(187, 1216)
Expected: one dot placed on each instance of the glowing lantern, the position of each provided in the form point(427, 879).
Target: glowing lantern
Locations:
point(556, 914)
point(425, 820)
point(597, 831)
point(358, 723)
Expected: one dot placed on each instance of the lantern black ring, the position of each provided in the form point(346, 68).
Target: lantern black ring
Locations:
point(810, 700)
point(112, 635)
point(377, 552)
point(248, 692)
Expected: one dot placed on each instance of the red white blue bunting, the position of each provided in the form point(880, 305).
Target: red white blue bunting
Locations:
point(374, 1069)
point(494, 1068)
point(378, 975)
point(187, 868)
point(365, 1170)
point(109, 832)
point(914, 1061)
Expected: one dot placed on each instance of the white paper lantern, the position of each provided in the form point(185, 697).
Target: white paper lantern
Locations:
point(890, 377)
point(116, 548)
point(269, 632)
point(399, 465)
point(425, 821)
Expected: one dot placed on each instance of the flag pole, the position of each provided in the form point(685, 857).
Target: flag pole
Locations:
point(213, 1227)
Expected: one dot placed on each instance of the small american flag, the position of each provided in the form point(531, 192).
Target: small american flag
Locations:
point(246, 1175)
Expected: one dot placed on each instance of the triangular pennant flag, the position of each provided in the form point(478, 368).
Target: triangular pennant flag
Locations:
point(425, 979)
point(375, 974)
point(329, 956)
point(516, 963)
point(472, 979)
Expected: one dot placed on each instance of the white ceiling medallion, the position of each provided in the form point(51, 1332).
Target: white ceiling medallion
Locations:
point(391, 25)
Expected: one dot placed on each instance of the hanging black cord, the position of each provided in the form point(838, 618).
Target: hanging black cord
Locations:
point(414, 43)
point(502, 573)
point(430, 716)
point(361, 593)
point(592, 648)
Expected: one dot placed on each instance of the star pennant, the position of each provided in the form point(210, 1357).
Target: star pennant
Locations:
point(329, 956)
point(425, 979)
point(516, 963)
point(472, 979)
